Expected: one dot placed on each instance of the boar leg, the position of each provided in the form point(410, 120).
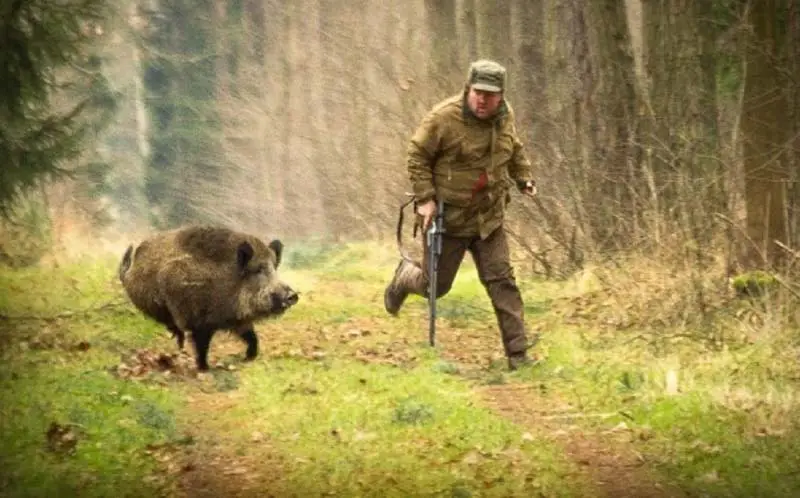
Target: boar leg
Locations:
point(248, 335)
point(165, 317)
point(177, 333)
point(201, 339)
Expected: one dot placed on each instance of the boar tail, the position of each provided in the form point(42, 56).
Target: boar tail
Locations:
point(125, 264)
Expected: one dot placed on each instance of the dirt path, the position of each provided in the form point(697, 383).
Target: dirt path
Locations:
point(209, 461)
point(217, 465)
point(606, 459)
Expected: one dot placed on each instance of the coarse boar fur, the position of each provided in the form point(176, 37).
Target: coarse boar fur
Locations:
point(202, 279)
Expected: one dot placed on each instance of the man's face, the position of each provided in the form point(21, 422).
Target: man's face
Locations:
point(483, 104)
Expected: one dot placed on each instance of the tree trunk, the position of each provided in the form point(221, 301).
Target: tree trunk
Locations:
point(443, 62)
point(764, 126)
point(274, 119)
point(467, 29)
point(493, 31)
point(793, 160)
point(681, 103)
point(529, 95)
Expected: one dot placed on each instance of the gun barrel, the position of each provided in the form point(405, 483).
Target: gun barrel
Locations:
point(433, 257)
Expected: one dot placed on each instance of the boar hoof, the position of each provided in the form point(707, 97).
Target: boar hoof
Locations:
point(202, 339)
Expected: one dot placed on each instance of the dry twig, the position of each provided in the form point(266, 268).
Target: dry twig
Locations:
point(118, 304)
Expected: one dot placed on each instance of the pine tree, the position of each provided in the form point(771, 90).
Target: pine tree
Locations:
point(49, 100)
point(180, 81)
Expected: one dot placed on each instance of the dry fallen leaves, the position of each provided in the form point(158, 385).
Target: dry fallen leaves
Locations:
point(169, 458)
point(143, 362)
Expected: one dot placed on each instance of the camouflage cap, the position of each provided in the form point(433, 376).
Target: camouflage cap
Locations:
point(487, 75)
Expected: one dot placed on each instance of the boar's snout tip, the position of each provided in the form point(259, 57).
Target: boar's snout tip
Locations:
point(284, 301)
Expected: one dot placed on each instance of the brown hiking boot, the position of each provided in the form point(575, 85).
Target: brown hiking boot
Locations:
point(517, 361)
point(406, 280)
point(521, 360)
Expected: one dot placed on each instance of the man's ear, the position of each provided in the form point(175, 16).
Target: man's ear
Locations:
point(277, 247)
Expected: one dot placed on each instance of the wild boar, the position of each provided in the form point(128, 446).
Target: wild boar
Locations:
point(202, 279)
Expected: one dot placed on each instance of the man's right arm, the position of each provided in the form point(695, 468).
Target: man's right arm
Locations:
point(421, 156)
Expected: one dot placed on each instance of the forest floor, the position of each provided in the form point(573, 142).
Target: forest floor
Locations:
point(345, 400)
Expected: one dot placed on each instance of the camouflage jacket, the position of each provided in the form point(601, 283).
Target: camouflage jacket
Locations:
point(470, 163)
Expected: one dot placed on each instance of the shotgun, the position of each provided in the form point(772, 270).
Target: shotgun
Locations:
point(434, 242)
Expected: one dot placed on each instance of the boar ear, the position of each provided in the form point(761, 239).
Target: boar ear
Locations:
point(277, 247)
point(244, 253)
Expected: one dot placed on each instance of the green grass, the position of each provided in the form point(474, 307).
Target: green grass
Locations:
point(112, 421)
point(368, 430)
point(729, 430)
point(45, 380)
point(414, 430)
point(346, 422)
point(721, 452)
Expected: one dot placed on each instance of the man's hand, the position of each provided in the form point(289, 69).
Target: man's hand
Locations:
point(529, 189)
point(427, 211)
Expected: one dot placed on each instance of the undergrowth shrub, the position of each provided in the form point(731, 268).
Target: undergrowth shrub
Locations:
point(25, 235)
point(662, 294)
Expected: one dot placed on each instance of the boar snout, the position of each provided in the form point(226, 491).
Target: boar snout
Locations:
point(284, 299)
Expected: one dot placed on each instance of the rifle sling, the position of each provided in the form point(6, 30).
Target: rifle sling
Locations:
point(399, 233)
